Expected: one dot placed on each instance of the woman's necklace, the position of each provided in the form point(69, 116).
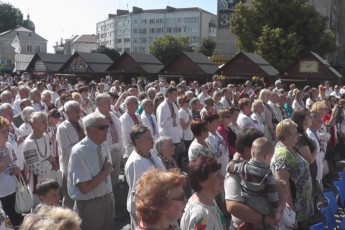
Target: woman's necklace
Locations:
point(38, 148)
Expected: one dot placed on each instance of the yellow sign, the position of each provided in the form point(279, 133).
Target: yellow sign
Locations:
point(308, 67)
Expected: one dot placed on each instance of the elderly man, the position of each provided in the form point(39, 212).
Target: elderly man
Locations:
point(128, 120)
point(139, 162)
point(68, 133)
point(114, 136)
point(18, 120)
point(89, 182)
point(39, 106)
point(6, 97)
point(149, 119)
point(24, 92)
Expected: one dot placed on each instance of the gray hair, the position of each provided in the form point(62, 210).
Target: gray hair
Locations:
point(194, 101)
point(160, 143)
point(71, 105)
point(45, 93)
point(264, 95)
point(145, 101)
point(91, 119)
point(4, 94)
point(189, 93)
point(33, 91)
point(4, 107)
point(37, 116)
point(129, 99)
point(101, 97)
point(27, 111)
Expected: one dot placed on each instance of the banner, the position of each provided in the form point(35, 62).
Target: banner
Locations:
point(16, 44)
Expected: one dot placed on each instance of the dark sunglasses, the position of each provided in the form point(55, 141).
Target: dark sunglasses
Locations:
point(101, 127)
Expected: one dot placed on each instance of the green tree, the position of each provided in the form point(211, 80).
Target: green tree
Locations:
point(10, 17)
point(168, 47)
point(281, 31)
point(207, 46)
point(111, 53)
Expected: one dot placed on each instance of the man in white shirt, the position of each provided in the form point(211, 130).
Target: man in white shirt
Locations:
point(89, 182)
point(168, 119)
point(68, 133)
point(274, 99)
point(128, 120)
point(203, 95)
point(148, 119)
point(23, 92)
point(114, 136)
point(329, 89)
point(39, 106)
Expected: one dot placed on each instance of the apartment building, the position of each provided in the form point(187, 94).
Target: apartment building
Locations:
point(135, 31)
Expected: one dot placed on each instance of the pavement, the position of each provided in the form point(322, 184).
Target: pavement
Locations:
point(122, 219)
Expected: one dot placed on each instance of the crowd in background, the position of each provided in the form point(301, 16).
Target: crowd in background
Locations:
point(195, 156)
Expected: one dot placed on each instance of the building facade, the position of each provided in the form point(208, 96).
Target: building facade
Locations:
point(334, 11)
point(77, 43)
point(135, 31)
point(29, 41)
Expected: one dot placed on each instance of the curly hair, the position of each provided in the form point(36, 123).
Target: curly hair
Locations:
point(52, 218)
point(152, 191)
point(199, 170)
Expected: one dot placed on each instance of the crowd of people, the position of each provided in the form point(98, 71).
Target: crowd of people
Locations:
point(195, 156)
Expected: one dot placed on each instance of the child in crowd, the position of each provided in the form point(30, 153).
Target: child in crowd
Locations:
point(257, 181)
point(48, 191)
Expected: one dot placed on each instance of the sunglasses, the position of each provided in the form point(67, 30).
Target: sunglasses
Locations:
point(180, 198)
point(101, 127)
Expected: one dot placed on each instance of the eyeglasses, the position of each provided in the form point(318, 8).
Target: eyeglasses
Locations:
point(180, 198)
point(101, 127)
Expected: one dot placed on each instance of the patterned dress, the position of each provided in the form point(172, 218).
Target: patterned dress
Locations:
point(299, 174)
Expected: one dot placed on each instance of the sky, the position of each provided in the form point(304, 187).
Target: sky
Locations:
point(62, 19)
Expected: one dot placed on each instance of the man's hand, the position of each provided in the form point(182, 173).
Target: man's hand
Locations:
point(107, 166)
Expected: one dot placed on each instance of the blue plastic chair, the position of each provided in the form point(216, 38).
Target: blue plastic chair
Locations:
point(332, 201)
point(341, 191)
point(318, 226)
point(342, 224)
point(330, 218)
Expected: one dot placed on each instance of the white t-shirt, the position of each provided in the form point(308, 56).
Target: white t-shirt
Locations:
point(187, 133)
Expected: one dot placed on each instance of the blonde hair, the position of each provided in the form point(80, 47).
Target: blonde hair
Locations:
point(52, 218)
point(256, 104)
point(260, 147)
point(319, 107)
point(284, 128)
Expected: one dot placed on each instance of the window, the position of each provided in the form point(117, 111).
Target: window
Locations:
point(152, 21)
point(143, 21)
point(142, 31)
point(126, 40)
point(127, 49)
point(29, 48)
point(127, 22)
point(191, 20)
point(152, 30)
point(38, 48)
point(127, 31)
point(118, 32)
point(118, 40)
point(135, 21)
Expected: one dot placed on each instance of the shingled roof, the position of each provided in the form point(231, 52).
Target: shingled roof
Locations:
point(139, 63)
point(96, 62)
point(53, 62)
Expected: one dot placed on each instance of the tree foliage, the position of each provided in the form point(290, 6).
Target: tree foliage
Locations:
point(281, 31)
point(111, 53)
point(10, 17)
point(168, 47)
point(207, 46)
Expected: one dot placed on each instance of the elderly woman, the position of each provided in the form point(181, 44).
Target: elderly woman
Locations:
point(25, 129)
point(159, 199)
point(46, 98)
point(140, 160)
point(264, 96)
point(199, 146)
point(8, 169)
point(165, 148)
point(288, 165)
point(207, 181)
point(38, 154)
point(257, 111)
point(48, 217)
point(217, 96)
